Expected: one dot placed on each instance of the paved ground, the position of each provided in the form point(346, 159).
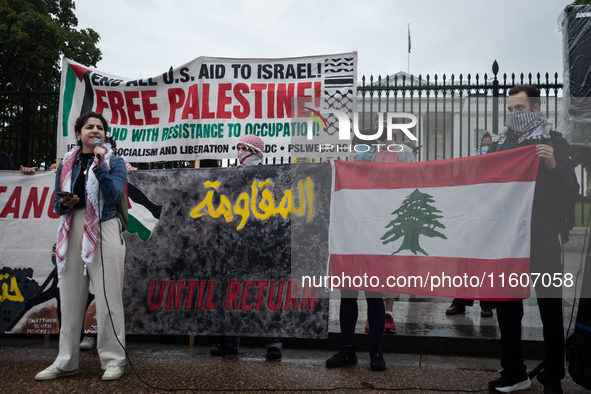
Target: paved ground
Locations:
point(180, 366)
point(430, 353)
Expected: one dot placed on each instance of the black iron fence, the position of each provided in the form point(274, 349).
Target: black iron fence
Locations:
point(28, 122)
point(452, 113)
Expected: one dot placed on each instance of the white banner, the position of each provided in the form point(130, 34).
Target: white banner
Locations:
point(28, 230)
point(199, 110)
point(28, 224)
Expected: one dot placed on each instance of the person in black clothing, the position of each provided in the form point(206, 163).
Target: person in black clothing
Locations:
point(349, 311)
point(555, 190)
point(5, 163)
point(459, 305)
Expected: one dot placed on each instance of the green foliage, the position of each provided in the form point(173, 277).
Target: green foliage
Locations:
point(34, 34)
point(416, 216)
point(581, 2)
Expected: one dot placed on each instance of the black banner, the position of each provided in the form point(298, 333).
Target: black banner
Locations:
point(228, 250)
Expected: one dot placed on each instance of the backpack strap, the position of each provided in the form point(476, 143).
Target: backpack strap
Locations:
point(122, 205)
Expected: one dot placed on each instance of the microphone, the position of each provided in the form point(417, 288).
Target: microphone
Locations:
point(97, 142)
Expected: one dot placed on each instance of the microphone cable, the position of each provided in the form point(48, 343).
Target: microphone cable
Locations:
point(579, 273)
point(364, 385)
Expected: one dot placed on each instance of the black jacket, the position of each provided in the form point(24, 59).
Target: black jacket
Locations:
point(556, 190)
point(5, 162)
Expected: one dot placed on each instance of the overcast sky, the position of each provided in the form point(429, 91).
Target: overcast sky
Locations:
point(143, 38)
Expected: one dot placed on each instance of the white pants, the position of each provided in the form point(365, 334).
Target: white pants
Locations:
point(74, 292)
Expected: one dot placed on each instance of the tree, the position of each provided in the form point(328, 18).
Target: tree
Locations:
point(35, 33)
point(415, 217)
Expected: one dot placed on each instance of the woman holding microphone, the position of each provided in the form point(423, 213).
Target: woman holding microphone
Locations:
point(90, 248)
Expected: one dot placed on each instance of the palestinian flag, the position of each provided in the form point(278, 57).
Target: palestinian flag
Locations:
point(143, 214)
point(76, 98)
point(448, 228)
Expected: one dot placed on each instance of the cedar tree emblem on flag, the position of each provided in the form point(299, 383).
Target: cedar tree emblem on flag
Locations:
point(435, 223)
point(414, 217)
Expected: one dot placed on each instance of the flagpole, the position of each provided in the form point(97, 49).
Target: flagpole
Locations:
point(408, 55)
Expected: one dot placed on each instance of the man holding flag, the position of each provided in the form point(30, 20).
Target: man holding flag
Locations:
point(555, 191)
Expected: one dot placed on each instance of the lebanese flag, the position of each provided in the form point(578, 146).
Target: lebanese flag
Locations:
point(459, 227)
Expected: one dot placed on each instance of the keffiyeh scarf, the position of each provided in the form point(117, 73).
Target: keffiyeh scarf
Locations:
point(92, 214)
point(529, 125)
point(257, 145)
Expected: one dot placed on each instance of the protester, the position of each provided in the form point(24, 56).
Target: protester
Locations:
point(90, 248)
point(385, 150)
point(28, 170)
point(556, 188)
point(459, 305)
point(390, 152)
point(349, 311)
point(250, 150)
point(484, 143)
point(5, 163)
point(89, 340)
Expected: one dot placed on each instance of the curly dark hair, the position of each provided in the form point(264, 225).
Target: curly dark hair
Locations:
point(81, 121)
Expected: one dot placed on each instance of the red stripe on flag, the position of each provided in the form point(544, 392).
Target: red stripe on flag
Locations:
point(428, 268)
point(127, 196)
point(515, 165)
